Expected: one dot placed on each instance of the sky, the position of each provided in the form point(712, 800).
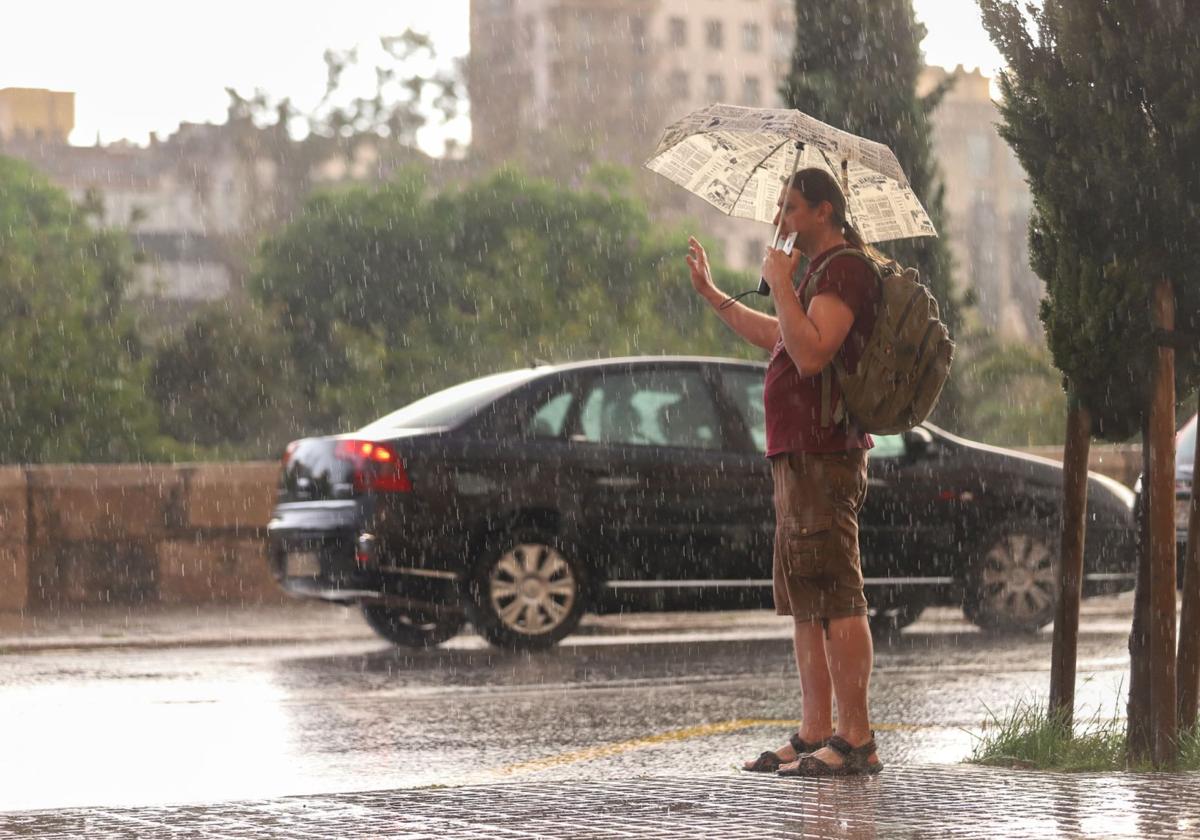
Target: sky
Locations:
point(138, 66)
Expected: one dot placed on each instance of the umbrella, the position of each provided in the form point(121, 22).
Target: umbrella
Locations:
point(737, 158)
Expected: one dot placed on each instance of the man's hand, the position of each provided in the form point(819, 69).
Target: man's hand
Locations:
point(778, 269)
point(697, 261)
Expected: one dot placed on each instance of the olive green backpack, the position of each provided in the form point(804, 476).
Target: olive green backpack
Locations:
point(905, 363)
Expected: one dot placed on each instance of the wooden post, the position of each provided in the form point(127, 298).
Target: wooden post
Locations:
point(1163, 698)
point(1189, 622)
point(1070, 570)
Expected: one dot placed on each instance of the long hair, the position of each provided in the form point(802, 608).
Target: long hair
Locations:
point(816, 185)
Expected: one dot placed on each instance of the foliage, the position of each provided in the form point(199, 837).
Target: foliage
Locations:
point(1012, 395)
point(855, 65)
point(1029, 737)
point(71, 376)
point(225, 382)
point(387, 294)
point(1115, 87)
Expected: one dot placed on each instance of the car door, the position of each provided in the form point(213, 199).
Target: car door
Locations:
point(751, 511)
point(647, 446)
point(904, 512)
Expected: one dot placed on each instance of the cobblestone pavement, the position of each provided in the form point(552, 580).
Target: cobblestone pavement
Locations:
point(904, 802)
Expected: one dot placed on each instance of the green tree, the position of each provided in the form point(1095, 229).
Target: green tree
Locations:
point(224, 384)
point(1099, 106)
point(71, 377)
point(1011, 392)
point(387, 294)
point(855, 66)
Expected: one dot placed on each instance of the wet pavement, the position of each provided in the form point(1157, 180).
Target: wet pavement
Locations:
point(160, 724)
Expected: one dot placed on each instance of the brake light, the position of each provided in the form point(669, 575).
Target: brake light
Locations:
point(377, 467)
point(287, 453)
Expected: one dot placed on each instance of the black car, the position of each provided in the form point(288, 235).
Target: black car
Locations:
point(522, 500)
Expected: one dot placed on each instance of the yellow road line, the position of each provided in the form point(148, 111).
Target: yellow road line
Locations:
point(702, 731)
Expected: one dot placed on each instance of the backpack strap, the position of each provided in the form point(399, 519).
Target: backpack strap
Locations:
point(829, 414)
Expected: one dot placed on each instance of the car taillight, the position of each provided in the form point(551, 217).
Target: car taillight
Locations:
point(377, 467)
point(287, 453)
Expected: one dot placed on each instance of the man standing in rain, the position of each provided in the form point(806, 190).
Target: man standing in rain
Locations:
point(819, 471)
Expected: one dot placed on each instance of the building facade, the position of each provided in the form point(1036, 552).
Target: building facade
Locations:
point(36, 114)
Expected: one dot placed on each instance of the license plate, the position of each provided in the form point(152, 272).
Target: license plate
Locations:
point(303, 564)
point(1183, 509)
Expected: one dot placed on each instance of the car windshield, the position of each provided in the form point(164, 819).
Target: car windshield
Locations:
point(1185, 445)
point(449, 407)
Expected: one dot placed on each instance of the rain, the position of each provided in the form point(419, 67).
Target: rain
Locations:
point(533, 418)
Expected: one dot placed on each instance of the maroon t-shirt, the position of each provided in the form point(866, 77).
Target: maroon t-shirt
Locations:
point(792, 401)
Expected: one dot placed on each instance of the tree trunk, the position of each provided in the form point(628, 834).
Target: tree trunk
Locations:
point(1070, 572)
point(1189, 622)
point(1139, 734)
point(1163, 697)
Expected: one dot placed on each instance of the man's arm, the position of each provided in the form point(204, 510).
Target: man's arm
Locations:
point(757, 328)
point(811, 338)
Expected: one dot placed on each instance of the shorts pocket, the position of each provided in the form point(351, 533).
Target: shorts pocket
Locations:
point(804, 545)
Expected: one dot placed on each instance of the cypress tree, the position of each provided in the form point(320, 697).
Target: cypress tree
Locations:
point(1099, 107)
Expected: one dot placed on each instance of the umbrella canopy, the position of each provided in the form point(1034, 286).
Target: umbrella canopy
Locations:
point(737, 159)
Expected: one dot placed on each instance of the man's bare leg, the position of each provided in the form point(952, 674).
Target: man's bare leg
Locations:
point(816, 687)
point(851, 656)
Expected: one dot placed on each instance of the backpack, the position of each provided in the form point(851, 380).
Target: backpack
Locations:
point(905, 363)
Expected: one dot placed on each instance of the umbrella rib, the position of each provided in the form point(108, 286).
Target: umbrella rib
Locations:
point(829, 163)
point(750, 177)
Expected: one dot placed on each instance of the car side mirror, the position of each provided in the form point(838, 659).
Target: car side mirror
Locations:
point(918, 443)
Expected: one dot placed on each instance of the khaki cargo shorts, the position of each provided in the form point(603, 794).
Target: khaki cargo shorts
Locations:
point(817, 572)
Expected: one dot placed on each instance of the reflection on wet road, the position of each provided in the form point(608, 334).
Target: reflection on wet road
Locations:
point(193, 725)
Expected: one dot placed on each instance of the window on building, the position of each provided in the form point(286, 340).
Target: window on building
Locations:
point(979, 157)
point(751, 37)
point(714, 87)
point(677, 85)
point(714, 34)
point(637, 33)
point(677, 31)
point(751, 91)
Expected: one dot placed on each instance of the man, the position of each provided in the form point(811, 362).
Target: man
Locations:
point(819, 470)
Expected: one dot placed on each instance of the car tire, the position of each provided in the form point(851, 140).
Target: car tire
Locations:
point(1011, 583)
point(527, 592)
point(892, 615)
point(408, 628)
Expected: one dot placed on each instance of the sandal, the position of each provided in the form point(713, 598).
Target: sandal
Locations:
point(769, 762)
point(854, 761)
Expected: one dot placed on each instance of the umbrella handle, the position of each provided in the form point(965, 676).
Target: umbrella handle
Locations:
point(763, 288)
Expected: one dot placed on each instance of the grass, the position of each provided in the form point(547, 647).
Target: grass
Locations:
point(1029, 737)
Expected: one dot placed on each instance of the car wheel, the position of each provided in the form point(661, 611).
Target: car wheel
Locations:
point(527, 592)
point(1012, 580)
point(891, 616)
point(411, 628)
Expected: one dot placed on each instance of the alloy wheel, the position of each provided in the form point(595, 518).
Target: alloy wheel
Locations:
point(531, 589)
point(1019, 580)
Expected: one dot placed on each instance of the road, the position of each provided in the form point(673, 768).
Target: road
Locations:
point(688, 695)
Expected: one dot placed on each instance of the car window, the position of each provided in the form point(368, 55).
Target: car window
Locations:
point(745, 390)
point(550, 418)
point(650, 408)
point(448, 407)
point(887, 446)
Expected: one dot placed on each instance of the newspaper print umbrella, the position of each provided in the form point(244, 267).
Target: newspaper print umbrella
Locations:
point(738, 158)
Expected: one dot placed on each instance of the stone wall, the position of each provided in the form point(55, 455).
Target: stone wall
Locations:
point(124, 534)
point(189, 534)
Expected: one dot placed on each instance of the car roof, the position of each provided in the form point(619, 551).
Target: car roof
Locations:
point(617, 361)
